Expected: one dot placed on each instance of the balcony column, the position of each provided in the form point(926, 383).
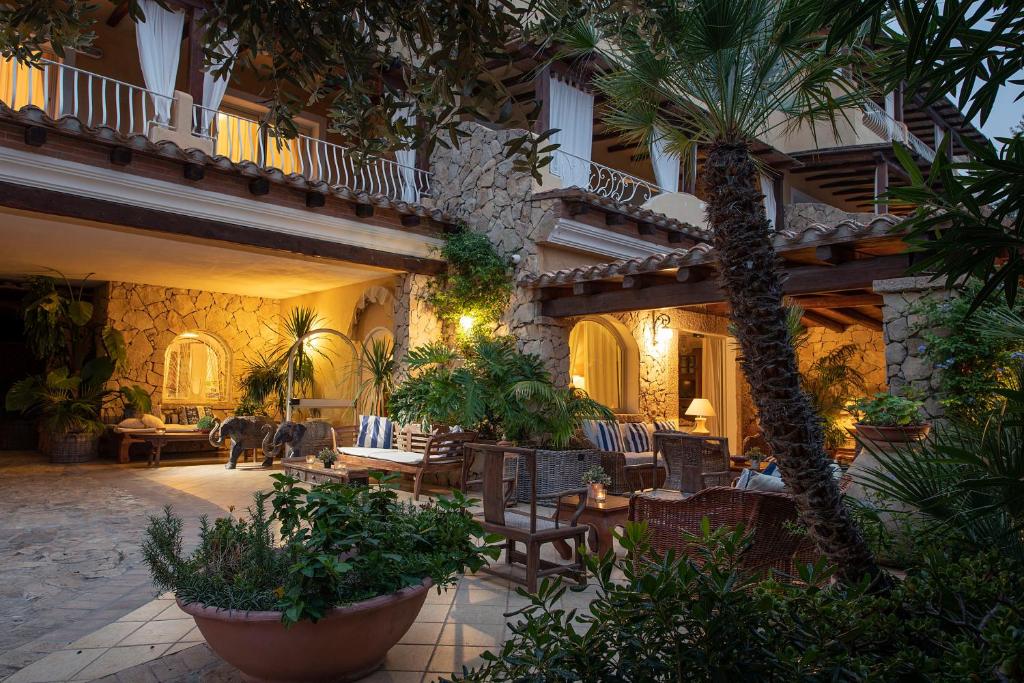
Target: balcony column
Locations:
point(881, 183)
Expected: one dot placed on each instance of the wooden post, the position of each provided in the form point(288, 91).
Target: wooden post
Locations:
point(196, 36)
point(542, 93)
point(881, 184)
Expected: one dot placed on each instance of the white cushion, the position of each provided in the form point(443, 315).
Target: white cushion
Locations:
point(153, 421)
point(394, 455)
point(131, 423)
point(135, 430)
point(182, 428)
point(640, 458)
point(765, 482)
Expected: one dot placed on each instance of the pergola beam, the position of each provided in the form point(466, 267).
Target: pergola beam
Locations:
point(857, 274)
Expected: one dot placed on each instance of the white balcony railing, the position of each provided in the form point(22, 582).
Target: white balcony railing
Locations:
point(242, 139)
point(886, 127)
point(61, 90)
point(602, 180)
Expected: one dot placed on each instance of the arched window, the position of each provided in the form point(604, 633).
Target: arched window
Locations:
point(195, 369)
point(597, 363)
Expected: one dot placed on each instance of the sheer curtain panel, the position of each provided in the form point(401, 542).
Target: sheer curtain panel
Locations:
point(159, 42)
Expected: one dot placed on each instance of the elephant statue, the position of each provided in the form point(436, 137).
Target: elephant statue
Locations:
point(245, 431)
point(300, 438)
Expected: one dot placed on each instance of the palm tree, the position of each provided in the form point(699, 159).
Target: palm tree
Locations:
point(720, 74)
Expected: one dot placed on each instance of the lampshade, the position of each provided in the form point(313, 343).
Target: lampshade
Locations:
point(700, 407)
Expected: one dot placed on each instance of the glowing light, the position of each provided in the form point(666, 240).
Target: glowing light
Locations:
point(663, 336)
point(466, 322)
point(579, 382)
point(189, 335)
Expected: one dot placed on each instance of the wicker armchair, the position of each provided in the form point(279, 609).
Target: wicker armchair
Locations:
point(694, 462)
point(765, 515)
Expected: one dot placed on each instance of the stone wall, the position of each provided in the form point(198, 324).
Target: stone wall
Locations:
point(869, 362)
point(151, 317)
point(415, 322)
point(477, 185)
point(906, 362)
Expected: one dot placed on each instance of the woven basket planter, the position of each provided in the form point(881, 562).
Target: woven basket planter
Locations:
point(71, 448)
point(556, 471)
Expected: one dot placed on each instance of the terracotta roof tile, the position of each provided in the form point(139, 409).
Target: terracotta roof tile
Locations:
point(71, 125)
point(785, 240)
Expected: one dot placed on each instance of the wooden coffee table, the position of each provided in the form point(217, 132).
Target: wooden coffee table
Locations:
point(601, 517)
point(316, 473)
point(157, 441)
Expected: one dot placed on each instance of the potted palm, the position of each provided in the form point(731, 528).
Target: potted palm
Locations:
point(81, 357)
point(327, 601)
point(886, 419)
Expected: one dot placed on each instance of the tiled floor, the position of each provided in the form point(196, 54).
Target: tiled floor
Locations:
point(83, 606)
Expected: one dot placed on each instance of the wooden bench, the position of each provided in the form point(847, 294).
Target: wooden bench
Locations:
point(418, 454)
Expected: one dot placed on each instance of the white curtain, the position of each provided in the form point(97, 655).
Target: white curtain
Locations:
point(407, 160)
point(666, 165)
point(768, 190)
point(159, 42)
point(718, 385)
point(572, 113)
point(595, 355)
point(213, 87)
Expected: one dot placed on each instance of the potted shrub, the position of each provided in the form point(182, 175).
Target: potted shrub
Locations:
point(885, 418)
point(597, 479)
point(81, 357)
point(329, 600)
point(327, 457)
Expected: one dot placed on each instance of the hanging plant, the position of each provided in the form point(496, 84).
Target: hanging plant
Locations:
point(475, 290)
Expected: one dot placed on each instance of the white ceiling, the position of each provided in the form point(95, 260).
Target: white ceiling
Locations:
point(31, 244)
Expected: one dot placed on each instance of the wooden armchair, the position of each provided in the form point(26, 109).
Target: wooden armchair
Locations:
point(528, 527)
point(694, 462)
point(768, 516)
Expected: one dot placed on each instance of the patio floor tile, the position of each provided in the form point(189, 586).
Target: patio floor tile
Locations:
point(480, 635)
point(422, 633)
point(57, 666)
point(408, 658)
point(153, 632)
point(148, 611)
point(118, 658)
point(454, 657)
point(433, 613)
point(477, 614)
point(108, 636)
point(172, 612)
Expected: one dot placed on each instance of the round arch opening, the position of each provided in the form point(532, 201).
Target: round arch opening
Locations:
point(604, 361)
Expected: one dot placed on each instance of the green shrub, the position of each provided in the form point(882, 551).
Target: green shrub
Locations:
point(953, 618)
point(477, 284)
point(886, 410)
point(339, 544)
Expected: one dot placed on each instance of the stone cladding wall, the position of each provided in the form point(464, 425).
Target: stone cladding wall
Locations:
point(477, 185)
point(151, 317)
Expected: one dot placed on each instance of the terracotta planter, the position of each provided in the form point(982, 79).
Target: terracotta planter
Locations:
point(347, 644)
point(884, 435)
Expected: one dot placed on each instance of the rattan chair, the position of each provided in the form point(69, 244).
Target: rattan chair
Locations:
point(694, 462)
point(527, 526)
point(767, 516)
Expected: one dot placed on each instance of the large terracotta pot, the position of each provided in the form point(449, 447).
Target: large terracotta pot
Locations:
point(886, 435)
point(347, 644)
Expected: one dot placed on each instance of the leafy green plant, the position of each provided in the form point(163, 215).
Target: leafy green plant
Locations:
point(666, 619)
point(328, 457)
point(81, 357)
point(492, 388)
point(596, 475)
point(206, 422)
point(975, 363)
point(377, 369)
point(887, 410)
point(373, 545)
point(477, 284)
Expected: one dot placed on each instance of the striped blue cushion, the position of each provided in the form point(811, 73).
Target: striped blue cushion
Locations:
point(374, 432)
point(604, 435)
point(665, 426)
point(637, 438)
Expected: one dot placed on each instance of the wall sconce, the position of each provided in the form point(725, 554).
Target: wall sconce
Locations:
point(466, 322)
point(661, 332)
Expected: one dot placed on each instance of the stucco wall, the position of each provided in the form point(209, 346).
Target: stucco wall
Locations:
point(151, 317)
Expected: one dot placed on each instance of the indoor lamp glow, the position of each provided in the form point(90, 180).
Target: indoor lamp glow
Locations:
point(700, 409)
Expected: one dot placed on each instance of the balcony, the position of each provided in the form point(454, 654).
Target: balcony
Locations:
point(878, 121)
point(98, 101)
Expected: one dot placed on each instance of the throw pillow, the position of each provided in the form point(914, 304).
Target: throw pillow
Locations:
point(665, 426)
point(762, 482)
point(374, 432)
point(131, 423)
point(604, 435)
point(636, 438)
point(153, 422)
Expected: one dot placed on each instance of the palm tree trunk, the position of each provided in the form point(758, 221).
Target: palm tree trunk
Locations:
point(749, 274)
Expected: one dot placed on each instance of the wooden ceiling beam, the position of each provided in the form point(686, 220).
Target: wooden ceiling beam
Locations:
point(821, 320)
point(857, 274)
point(858, 318)
point(837, 300)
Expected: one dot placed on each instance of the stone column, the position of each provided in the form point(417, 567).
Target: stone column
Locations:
point(905, 358)
point(477, 185)
point(415, 322)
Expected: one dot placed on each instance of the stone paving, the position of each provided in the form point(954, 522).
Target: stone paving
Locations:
point(78, 603)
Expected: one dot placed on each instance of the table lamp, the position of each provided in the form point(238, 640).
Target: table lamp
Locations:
point(700, 409)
